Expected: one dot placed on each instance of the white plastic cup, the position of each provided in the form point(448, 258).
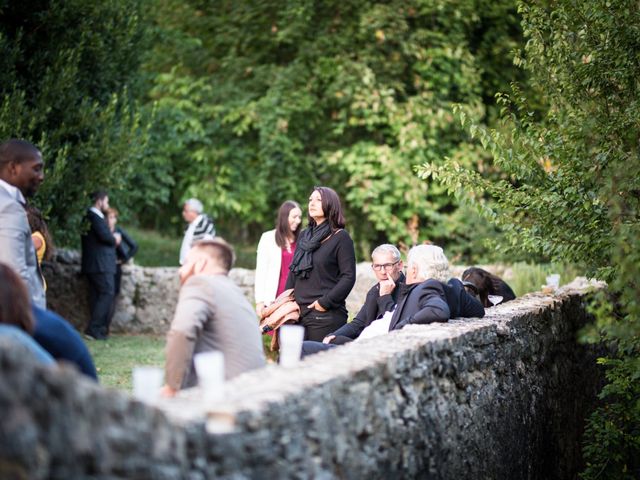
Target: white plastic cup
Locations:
point(291, 337)
point(553, 280)
point(210, 370)
point(147, 382)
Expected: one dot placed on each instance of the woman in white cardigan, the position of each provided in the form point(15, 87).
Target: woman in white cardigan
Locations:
point(275, 252)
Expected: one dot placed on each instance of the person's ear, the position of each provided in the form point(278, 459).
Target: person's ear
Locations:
point(199, 265)
point(13, 168)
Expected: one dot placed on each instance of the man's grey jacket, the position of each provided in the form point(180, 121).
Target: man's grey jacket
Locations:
point(16, 246)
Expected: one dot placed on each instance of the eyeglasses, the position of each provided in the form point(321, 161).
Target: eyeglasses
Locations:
point(384, 266)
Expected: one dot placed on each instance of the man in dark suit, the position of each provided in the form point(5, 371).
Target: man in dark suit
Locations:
point(99, 265)
point(424, 299)
point(382, 297)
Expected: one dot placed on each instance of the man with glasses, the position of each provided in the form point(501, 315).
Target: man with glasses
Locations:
point(381, 298)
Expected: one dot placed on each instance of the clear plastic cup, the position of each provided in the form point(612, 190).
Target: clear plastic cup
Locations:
point(147, 382)
point(210, 370)
point(291, 337)
point(553, 280)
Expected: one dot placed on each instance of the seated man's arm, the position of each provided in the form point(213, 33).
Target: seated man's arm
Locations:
point(187, 324)
point(361, 320)
point(433, 305)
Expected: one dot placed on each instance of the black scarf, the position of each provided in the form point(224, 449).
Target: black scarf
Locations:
point(309, 241)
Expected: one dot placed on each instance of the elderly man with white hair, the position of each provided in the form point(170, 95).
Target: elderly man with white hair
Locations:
point(200, 226)
point(426, 298)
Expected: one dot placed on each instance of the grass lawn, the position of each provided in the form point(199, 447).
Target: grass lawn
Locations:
point(155, 249)
point(158, 250)
point(531, 277)
point(114, 358)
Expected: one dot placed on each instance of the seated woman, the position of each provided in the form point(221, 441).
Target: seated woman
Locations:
point(16, 320)
point(49, 334)
point(491, 289)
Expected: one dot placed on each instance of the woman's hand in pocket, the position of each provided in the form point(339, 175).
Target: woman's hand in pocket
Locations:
point(316, 306)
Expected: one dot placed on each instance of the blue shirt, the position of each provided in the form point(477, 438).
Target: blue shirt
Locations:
point(62, 341)
point(18, 336)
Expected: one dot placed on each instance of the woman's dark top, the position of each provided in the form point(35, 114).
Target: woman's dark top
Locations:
point(332, 277)
point(127, 248)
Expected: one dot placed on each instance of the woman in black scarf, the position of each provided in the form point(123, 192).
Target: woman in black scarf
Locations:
point(323, 269)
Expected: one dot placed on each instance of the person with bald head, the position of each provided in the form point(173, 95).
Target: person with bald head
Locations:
point(21, 173)
point(212, 314)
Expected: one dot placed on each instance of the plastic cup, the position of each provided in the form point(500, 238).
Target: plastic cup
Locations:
point(147, 382)
point(495, 299)
point(291, 337)
point(553, 280)
point(210, 370)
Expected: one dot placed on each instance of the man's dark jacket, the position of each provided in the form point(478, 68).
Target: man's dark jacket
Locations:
point(433, 301)
point(98, 246)
point(374, 307)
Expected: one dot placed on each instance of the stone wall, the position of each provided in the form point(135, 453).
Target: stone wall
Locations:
point(499, 397)
point(148, 295)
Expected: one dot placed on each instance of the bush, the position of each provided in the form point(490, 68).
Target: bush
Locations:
point(571, 187)
point(71, 91)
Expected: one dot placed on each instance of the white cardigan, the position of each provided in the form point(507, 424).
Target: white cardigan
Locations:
point(267, 268)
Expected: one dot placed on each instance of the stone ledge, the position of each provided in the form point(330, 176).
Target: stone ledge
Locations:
point(499, 397)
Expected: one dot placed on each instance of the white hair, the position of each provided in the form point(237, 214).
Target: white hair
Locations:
point(387, 248)
point(431, 262)
point(195, 205)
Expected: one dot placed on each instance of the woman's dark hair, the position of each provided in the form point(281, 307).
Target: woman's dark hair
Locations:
point(331, 207)
point(37, 224)
point(487, 284)
point(283, 232)
point(15, 303)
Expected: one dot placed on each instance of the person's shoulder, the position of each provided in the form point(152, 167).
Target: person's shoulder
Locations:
point(209, 285)
point(9, 204)
point(432, 284)
point(341, 237)
point(268, 235)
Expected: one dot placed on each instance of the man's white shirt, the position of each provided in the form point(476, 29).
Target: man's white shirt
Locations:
point(377, 327)
point(188, 239)
point(97, 212)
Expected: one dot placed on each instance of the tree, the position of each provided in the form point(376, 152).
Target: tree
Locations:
point(259, 101)
point(572, 187)
point(69, 73)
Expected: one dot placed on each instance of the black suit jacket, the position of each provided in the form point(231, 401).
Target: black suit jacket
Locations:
point(98, 246)
point(433, 301)
point(461, 304)
point(374, 307)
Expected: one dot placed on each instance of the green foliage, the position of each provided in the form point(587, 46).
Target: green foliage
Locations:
point(570, 187)
point(257, 102)
point(526, 277)
point(70, 91)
